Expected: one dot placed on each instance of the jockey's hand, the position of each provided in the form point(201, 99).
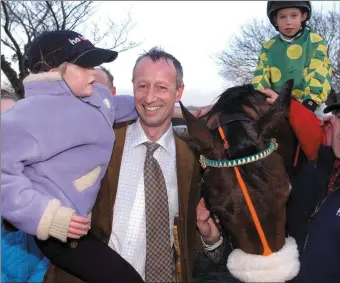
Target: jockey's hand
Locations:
point(272, 95)
point(206, 225)
point(79, 226)
point(328, 128)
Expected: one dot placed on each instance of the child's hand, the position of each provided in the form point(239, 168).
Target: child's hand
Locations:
point(79, 226)
point(272, 95)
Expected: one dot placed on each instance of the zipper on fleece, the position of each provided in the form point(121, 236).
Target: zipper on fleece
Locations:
point(317, 209)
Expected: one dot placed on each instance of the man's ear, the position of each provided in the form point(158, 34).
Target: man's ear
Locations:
point(179, 93)
point(278, 111)
point(202, 138)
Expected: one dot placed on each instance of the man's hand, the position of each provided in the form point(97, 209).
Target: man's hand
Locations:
point(206, 225)
point(328, 128)
point(272, 95)
point(79, 226)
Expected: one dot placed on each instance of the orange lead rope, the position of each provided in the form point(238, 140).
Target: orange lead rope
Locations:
point(266, 249)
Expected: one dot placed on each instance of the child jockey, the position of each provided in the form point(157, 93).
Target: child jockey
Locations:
point(300, 54)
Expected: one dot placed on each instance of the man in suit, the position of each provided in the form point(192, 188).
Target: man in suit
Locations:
point(121, 217)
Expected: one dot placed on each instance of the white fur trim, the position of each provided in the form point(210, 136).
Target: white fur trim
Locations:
point(47, 218)
point(280, 266)
point(46, 76)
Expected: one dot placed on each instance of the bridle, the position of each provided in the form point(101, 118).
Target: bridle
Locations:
point(205, 162)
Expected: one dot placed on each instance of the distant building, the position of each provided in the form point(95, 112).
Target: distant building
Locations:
point(181, 129)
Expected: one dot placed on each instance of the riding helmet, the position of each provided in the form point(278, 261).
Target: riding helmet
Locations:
point(274, 6)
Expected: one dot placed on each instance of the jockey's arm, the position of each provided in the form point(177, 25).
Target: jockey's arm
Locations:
point(261, 79)
point(317, 77)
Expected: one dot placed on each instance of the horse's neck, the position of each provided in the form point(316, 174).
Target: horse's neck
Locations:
point(288, 146)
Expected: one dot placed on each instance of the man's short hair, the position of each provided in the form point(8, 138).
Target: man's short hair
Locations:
point(9, 95)
point(156, 54)
point(109, 75)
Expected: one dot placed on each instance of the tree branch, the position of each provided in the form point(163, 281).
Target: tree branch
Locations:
point(12, 76)
point(50, 9)
point(7, 31)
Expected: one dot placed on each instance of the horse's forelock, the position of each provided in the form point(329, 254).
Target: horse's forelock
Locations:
point(235, 98)
point(242, 136)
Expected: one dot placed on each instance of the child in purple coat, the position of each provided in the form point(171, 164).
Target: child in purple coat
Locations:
point(56, 146)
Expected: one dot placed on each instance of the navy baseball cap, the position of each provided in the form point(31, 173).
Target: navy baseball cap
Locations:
point(332, 107)
point(52, 48)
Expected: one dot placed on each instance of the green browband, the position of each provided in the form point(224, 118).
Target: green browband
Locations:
point(205, 162)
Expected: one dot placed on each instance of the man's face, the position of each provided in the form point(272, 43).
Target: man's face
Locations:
point(155, 92)
point(336, 135)
point(102, 78)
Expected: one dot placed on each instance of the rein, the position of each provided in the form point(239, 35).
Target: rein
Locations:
point(233, 163)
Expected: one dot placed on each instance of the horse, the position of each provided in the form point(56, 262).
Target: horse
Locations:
point(238, 145)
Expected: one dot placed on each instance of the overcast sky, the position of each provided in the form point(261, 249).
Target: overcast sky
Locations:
point(192, 31)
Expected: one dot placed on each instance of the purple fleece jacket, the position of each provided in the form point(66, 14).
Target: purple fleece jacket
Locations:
point(55, 149)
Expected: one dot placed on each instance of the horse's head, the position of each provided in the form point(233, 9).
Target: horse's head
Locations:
point(249, 124)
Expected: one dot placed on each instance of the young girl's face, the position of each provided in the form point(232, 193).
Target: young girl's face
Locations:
point(80, 80)
point(289, 21)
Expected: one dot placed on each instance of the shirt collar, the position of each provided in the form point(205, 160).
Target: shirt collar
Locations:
point(290, 40)
point(166, 141)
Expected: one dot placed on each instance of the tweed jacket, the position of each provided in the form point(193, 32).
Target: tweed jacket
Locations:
point(188, 178)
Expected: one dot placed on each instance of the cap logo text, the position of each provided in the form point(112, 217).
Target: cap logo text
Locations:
point(77, 39)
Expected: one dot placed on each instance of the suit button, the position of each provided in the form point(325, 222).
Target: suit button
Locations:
point(73, 244)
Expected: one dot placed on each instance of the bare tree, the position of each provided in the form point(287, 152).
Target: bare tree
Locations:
point(239, 60)
point(22, 21)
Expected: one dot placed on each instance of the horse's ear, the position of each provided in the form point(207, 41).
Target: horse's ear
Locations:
point(202, 138)
point(285, 95)
point(279, 111)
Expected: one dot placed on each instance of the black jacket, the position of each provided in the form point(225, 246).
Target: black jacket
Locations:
point(313, 219)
